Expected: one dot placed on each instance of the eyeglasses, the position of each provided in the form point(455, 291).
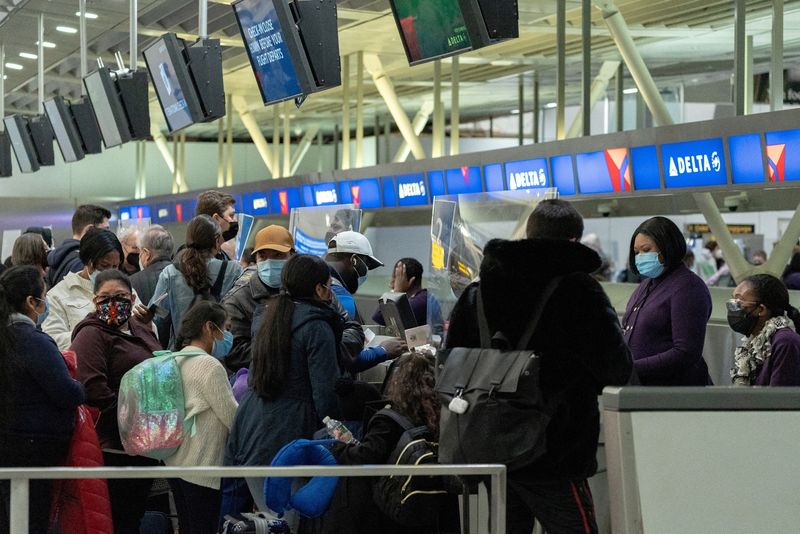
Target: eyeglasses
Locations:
point(738, 304)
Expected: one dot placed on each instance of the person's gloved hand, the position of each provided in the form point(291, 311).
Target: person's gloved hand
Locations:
point(394, 347)
point(240, 384)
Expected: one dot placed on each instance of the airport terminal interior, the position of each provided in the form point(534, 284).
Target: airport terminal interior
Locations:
point(354, 135)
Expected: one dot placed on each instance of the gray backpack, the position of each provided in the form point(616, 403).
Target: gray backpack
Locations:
point(493, 410)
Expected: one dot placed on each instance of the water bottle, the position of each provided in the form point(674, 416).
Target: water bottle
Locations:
point(337, 430)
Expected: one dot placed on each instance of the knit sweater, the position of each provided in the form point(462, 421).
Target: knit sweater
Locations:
point(209, 399)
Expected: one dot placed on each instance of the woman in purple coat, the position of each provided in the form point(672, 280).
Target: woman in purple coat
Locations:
point(665, 321)
point(770, 355)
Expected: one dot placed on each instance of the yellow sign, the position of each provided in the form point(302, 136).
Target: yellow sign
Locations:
point(437, 255)
point(736, 229)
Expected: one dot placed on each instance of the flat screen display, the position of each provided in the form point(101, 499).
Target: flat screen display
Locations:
point(164, 213)
point(134, 213)
point(431, 29)
point(747, 159)
point(645, 168)
point(389, 192)
point(169, 85)
point(256, 204)
point(694, 163)
point(64, 129)
point(411, 190)
point(563, 174)
point(283, 200)
point(22, 143)
point(464, 180)
point(107, 108)
point(604, 171)
point(436, 183)
point(493, 174)
point(184, 209)
point(364, 193)
point(783, 155)
point(265, 42)
point(527, 174)
point(325, 194)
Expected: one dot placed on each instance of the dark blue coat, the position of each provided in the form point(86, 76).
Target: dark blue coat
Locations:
point(262, 426)
point(41, 395)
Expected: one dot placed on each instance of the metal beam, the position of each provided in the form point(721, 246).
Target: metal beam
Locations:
point(536, 109)
point(2, 86)
point(599, 86)
point(276, 139)
point(223, 39)
point(134, 35)
point(385, 87)
point(420, 120)
point(202, 19)
point(437, 145)
point(739, 59)
point(251, 124)
point(221, 149)
point(641, 75)
point(561, 69)
point(303, 148)
point(287, 140)
point(520, 110)
point(586, 67)
point(748, 75)
point(360, 109)
point(620, 99)
point(455, 107)
point(346, 112)
point(83, 46)
point(229, 144)
point(776, 61)
point(40, 62)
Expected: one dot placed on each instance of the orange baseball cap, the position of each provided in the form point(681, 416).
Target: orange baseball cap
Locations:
point(274, 237)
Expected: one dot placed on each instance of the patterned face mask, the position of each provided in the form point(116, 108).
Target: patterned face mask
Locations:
point(115, 311)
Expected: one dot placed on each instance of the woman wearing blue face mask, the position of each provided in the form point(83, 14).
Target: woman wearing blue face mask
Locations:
point(204, 340)
point(665, 321)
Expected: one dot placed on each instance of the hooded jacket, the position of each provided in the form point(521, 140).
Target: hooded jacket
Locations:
point(263, 426)
point(105, 354)
point(63, 260)
point(578, 337)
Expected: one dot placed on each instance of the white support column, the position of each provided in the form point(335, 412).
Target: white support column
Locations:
point(276, 139)
point(133, 46)
point(162, 146)
point(40, 62)
point(229, 146)
point(561, 68)
point(740, 268)
point(303, 148)
point(776, 61)
point(176, 180)
point(287, 140)
point(387, 91)
point(633, 60)
point(2, 86)
point(437, 146)
point(83, 42)
point(19, 501)
point(250, 123)
point(599, 86)
point(184, 184)
point(345, 113)
point(221, 150)
point(420, 120)
point(359, 109)
point(455, 107)
point(748, 75)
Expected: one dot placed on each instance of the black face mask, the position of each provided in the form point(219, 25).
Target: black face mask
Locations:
point(231, 232)
point(133, 259)
point(742, 322)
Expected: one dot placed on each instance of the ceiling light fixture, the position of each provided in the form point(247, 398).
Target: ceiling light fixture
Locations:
point(14, 66)
point(631, 91)
point(515, 112)
point(47, 44)
point(28, 55)
point(88, 15)
point(551, 105)
point(66, 29)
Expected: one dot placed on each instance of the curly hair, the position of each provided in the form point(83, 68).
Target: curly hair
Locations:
point(201, 241)
point(411, 391)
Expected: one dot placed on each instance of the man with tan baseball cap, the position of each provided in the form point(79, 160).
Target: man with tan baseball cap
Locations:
point(245, 302)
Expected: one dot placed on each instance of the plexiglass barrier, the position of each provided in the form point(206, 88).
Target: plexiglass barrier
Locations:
point(313, 228)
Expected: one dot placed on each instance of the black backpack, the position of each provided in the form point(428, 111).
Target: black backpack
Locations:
point(412, 501)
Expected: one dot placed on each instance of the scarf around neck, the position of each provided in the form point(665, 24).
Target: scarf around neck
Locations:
point(749, 357)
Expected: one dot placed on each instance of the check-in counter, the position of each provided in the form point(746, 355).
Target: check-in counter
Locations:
point(716, 459)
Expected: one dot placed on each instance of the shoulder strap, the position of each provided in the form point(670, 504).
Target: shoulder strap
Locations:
point(216, 289)
point(401, 420)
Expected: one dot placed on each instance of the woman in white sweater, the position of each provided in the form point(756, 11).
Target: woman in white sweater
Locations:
point(210, 408)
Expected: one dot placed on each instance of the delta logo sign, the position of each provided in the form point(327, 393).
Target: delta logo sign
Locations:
point(619, 169)
point(355, 190)
point(283, 198)
point(694, 163)
point(464, 180)
point(412, 190)
point(605, 171)
point(526, 174)
point(776, 157)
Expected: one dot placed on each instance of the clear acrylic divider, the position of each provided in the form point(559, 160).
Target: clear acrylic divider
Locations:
point(312, 228)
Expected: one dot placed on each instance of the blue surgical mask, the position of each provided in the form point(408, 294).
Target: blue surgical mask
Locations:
point(269, 272)
point(42, 316)
point(648, 265)
point(361, 280)
point(222, 347)
point(93, 277)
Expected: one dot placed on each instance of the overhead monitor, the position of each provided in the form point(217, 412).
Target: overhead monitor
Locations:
point(563, 174)
point(108, 109)
point(604, 171)
point(6, 169)
point(411, 190)
point(43, 137)
point(491, 21)
point(22, 143)
point(747, 159)
point(65, 129)
point(364, 193)
point(694, 163)
point(88, 129)
point(172, 82)
point(431, 30)
point(493, 174)
point(464, 180)
point(527, 174)
point(293, 47)
point(436, 183)
point(783, 155)
point(284, 200)
point(646, 174)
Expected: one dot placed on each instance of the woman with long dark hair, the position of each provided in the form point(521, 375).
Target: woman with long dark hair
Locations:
point(770, 355)
point(665, 322)
point(108, 343)
point(38, 397)
point(210, 406)
point(196, 274)
point(294, 367)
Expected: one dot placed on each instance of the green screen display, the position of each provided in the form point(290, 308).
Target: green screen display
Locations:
point(431, 28)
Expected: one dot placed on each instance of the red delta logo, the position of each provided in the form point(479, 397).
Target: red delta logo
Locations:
point(776, 157)
point(283, 197)
point(179, 212)
point(618, 169)
point(356, 191)
point(465, 175)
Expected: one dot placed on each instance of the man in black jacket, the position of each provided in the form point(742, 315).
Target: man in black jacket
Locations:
point(64, 259)
point(582, 349)
point(155, 253)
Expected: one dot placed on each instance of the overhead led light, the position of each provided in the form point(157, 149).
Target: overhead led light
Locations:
point(88, 15)
point(28, 55)
point(631, 91)
point(14, 66)
point(551, 105)
point(515, 112)
point(66, 29)
point(47, 44)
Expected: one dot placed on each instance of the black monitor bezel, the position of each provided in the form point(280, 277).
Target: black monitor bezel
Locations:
point(61, 108)
point(16, 127)
point(111, 96)
point(411, 61)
